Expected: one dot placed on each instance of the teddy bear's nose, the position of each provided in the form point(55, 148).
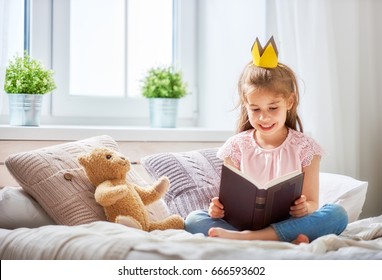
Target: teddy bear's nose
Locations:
point(123, 158)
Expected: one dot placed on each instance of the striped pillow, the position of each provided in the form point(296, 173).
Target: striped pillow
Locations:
point(194, 178)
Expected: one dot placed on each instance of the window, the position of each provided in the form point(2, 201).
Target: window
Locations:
point(101, 49)
point(11, 43)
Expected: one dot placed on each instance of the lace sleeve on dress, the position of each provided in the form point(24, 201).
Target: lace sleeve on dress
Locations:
point(230, 149)
point(310, 148)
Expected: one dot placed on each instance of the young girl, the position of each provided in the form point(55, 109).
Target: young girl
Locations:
point(270, 143)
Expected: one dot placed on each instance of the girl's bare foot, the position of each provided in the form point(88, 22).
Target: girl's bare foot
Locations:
point(228, 234)
point(301, 238)
point(263, 234)
point(218, 232)
point(252, 235)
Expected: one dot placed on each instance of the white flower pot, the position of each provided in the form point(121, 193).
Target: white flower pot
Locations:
point(25, 109)
point(163, 112)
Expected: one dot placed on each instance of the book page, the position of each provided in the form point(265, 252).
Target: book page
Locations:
point(280, 179)
point(270, 183)
point(239, 172)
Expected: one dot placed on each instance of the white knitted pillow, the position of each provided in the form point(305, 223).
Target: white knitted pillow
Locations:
point(55, 179)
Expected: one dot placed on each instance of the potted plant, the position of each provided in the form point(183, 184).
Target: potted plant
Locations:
point(26, 82)
point(163, 86)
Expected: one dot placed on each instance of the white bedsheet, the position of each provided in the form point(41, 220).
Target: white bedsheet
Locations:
point(102, 240)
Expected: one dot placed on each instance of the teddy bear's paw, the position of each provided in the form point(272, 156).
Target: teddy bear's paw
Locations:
point(162, 185)
point(128, 221)
point(171, 222)
point(176, 222)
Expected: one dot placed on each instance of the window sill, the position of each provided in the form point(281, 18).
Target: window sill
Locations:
point(119, 133)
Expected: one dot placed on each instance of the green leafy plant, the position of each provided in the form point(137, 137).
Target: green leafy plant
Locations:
point(163, 82)
point(27, 75)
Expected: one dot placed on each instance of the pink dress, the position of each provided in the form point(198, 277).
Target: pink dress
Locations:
point(295, 153)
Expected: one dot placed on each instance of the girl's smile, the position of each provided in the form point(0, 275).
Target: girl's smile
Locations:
point(266, 127)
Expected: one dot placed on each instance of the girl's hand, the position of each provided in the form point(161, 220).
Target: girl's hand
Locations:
point(216, 209)
point(300, 207)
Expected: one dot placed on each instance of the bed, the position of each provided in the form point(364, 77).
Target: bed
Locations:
point(52, 213)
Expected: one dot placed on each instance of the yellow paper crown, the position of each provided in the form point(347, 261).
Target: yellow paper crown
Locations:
point(265, 57)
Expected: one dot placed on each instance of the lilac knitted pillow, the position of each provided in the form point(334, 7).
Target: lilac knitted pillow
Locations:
point(194, 178)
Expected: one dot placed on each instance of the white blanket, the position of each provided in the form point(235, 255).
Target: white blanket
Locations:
point(102, 240)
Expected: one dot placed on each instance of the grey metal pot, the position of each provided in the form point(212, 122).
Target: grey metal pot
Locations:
point(25, 109)
point(163, 112)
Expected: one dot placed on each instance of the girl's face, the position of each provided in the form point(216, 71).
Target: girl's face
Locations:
point(267, 113)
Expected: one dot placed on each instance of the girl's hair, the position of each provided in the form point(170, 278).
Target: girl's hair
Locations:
point(281, 80)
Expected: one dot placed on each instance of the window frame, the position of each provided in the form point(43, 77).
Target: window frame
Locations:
point(63, 108)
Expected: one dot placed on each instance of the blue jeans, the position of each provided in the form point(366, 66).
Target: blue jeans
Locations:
point(329, 219)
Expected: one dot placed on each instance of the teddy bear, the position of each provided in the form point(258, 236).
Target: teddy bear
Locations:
point(124, 201)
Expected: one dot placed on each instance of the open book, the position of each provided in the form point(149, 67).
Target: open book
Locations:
point(249, 206)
